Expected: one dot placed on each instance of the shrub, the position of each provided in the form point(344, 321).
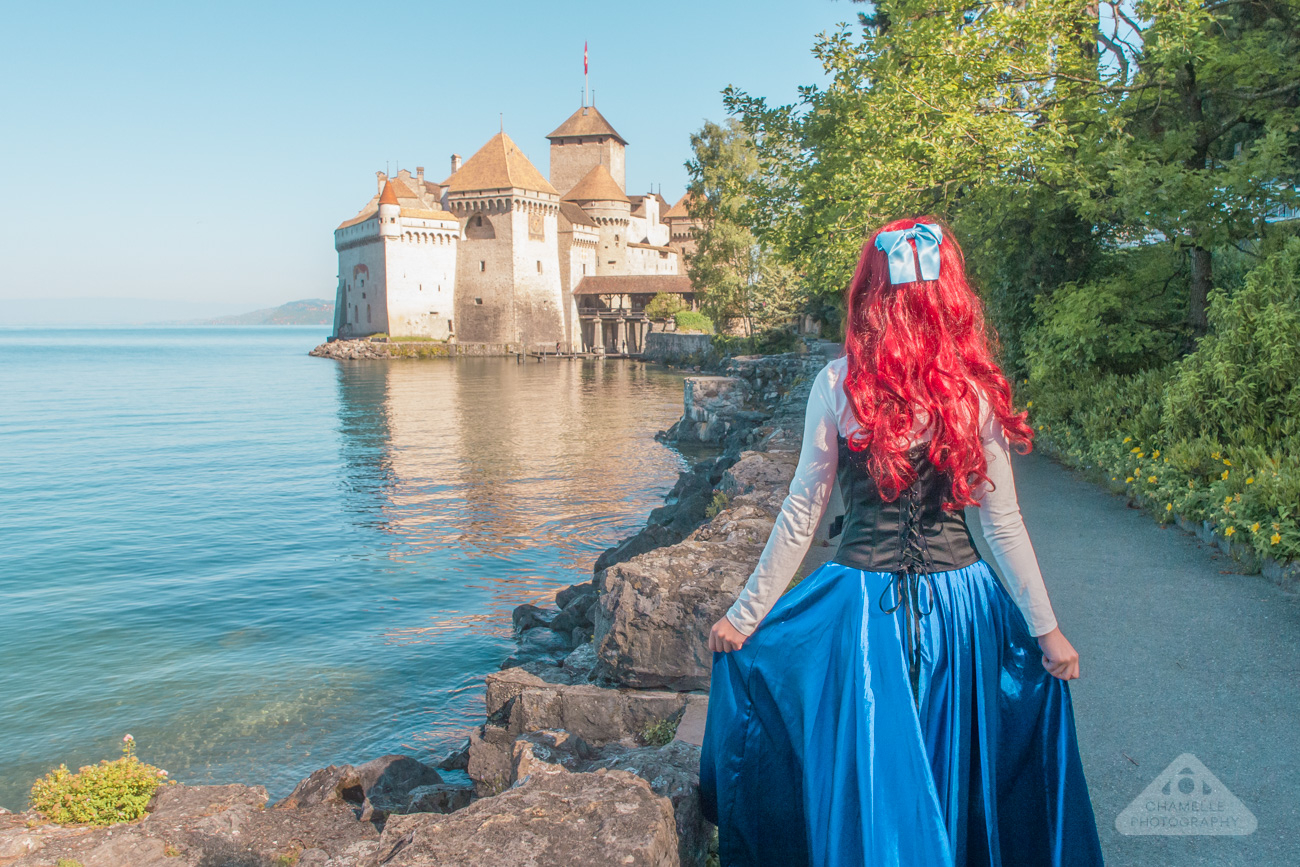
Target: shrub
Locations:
point(691, 320)
point(102, 794)
point(717, 504)
point(1214, 437)
point(665, 305)
point(658, 733)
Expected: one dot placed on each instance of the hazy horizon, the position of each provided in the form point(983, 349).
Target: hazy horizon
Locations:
point(181, 155)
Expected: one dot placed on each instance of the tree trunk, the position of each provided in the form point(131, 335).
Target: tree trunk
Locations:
point(1202, 279)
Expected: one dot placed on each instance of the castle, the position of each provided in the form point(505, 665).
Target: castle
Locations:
point(499, 254)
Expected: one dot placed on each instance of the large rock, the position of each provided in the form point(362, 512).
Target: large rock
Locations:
point(653, 620)
point(674, 772)
point(550, 820)
point(375, 790)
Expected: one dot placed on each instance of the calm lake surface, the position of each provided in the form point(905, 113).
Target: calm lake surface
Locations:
point(260, 563)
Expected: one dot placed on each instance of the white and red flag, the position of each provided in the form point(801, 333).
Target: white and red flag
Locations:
point(584, 58)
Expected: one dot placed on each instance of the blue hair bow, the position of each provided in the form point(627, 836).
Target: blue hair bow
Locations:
point(902, 265)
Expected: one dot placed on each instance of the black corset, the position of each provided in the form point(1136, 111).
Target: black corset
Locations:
point(912, 534)
point(910, 537)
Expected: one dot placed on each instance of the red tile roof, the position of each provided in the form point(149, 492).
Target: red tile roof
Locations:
point(586, 122)
point(634, 284)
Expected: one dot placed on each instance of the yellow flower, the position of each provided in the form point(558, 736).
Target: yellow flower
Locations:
point(1134, 450)
point(1254, 528)
point(1214, 455)
point(1151, 480)
point(1156, 453)
point(1128, 439)
point(1227, 500)
point(1224, 476)
point(1191, 484)
point(1031, 403)
point(1141, 455)
point(1250, 480)
point(1274, 539)
point(1229, 531)
point(1227, 463)
point(1129, 480)
point(1040, 427)
point(1169, 507)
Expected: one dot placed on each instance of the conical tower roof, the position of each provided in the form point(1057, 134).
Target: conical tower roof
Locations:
point(388, 196)
point(586, 121)
point(597, 185)
point(498, 165)
point(679, 209)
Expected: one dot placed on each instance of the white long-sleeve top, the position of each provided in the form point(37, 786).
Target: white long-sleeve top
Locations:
point(828, 415)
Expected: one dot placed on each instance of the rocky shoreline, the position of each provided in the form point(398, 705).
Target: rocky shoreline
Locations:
point(589, 749)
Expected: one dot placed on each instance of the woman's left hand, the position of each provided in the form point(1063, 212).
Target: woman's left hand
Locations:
point(724, 638)
point(1059, 656)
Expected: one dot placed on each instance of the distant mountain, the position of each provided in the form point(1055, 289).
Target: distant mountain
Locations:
point(313, 311)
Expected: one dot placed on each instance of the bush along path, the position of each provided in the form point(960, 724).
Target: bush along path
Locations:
point(1210, 441)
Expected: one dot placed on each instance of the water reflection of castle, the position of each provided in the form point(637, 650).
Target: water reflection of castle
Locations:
point(499, 254)
point(498, 476)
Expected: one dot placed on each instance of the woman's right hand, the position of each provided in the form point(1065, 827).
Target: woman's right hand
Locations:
point(1059, 656)
point(724, 638)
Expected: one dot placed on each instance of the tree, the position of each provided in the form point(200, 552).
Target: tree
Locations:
point(1049, 131)
point(736, 277)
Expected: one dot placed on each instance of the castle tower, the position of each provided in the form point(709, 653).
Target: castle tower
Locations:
point(581, 143)
point(508, 265)
point(600, 196)
point(397, 264)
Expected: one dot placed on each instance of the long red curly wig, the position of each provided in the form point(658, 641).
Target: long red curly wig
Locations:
point(923, 347)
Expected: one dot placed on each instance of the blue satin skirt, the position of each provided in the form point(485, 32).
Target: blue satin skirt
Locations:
point(816, 753)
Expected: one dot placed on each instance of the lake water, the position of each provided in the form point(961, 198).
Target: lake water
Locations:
point(260, 563)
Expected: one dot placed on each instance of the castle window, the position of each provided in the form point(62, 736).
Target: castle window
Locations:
point(449, 325)
point(482, 265)
point(421, 287)
point(616, 239)
point(478, 300)
point(367, 312)
point(539, 266)
point(584, 267)
point(478, 221)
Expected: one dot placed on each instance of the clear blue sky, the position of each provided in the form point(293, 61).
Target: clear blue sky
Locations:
point(205, 152)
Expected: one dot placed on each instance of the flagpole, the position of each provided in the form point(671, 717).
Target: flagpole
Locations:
point(585, 92)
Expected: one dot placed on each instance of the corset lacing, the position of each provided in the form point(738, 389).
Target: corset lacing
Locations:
point(914, 554)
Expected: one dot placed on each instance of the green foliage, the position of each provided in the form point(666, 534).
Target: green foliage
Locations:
point(1242, 385)
point(736, 276)
point(770, 342)
point(103, 794)
point(658, 733)
point(692, 321)
point(1214, 436)
point(717, 504)
point(665, 305)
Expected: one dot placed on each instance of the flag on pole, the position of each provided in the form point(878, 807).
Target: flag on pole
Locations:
point(584, 58)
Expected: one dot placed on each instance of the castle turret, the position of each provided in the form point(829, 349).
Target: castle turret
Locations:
point(389, 211)
point(599, 195)
point(581, 143)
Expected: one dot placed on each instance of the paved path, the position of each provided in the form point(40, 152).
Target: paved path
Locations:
point(1178, 655)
